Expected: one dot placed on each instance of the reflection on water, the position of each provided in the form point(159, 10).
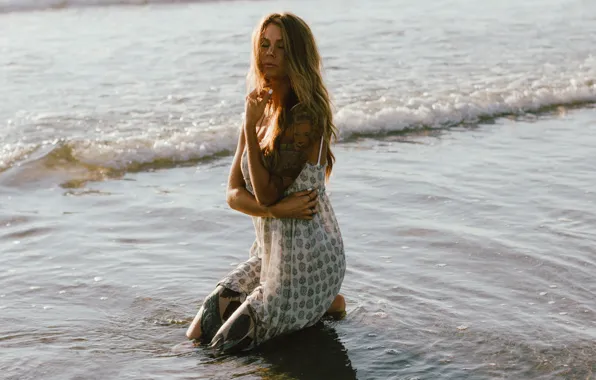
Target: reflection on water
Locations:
point(314, 353)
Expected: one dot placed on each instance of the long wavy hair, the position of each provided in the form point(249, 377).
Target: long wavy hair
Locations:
point(308, 98)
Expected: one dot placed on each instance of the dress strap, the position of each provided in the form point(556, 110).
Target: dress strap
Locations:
point(320, 151)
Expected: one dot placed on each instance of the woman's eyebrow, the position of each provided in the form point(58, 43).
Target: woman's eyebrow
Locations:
point(267, 39)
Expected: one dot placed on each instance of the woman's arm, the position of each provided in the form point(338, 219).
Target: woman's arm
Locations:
point(300, 205)
point(268, 188)
point(237, 196)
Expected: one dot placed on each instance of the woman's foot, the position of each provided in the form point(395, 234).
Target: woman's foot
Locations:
point(215, 310)
point(337, 310)
point(194, 330)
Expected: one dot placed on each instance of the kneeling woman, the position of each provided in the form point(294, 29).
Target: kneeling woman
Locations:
point(283, 159)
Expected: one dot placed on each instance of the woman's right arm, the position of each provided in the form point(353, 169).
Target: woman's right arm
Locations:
point(237, 196)
point(299, 205)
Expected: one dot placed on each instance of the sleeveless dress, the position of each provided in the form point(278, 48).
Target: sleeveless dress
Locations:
point(294, 270)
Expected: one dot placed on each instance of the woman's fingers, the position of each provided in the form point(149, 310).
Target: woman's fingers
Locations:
point(302, 193)
point(259, 97)
point(266, 96)
point(307, 207)
point(312, 194)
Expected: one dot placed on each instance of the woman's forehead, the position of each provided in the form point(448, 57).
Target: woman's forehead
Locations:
point(272, 32)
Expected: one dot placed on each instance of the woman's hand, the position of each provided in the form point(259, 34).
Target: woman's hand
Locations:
point(300, 205)
point(255, 106)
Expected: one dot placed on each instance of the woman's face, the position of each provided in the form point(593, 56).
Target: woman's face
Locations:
point(271, 53)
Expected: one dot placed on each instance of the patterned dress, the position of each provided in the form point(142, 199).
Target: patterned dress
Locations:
point(294, 271)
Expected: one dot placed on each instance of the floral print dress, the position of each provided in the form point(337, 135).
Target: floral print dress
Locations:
point(294, 271)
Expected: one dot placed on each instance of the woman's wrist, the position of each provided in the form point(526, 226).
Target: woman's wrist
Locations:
point(270, 211)
point(250, 126)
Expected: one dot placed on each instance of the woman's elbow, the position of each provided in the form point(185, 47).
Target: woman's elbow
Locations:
point(231, 198)
point(265, 200)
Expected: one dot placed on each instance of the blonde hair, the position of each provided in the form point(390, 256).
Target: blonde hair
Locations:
point(303, 67)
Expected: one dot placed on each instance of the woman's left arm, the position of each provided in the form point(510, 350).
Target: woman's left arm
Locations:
point(268, 188)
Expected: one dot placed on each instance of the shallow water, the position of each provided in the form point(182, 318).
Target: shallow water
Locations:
point(470, 237)
point(478, 267)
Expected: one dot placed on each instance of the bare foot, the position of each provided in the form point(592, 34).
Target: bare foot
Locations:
point(338, 307)
point(194, 330)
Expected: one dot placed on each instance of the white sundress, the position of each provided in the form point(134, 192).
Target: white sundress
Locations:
point(294, 271)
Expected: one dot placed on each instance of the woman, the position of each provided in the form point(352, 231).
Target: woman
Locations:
point(296, 265)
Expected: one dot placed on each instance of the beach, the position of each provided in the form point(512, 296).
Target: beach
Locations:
point(464, 188)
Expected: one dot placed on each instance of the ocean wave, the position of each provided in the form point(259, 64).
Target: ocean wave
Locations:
point(9, 6)
point(13, 153)
point(127, 154)
point(432, 111)
point(373, 118)
point(74, 162)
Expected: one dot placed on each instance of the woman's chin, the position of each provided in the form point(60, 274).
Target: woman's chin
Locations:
point(271, 74)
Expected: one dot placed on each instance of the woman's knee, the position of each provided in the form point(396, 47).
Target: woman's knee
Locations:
point(237, 333)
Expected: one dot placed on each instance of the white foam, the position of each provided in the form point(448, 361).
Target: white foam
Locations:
point(443, 110)
point(11, 153)
point(185, 146)
point(372, 117)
